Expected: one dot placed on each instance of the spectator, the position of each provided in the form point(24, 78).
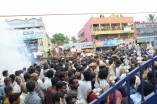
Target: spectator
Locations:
point(32, 97)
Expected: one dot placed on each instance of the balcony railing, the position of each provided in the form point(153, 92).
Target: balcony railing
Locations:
point(144, 100)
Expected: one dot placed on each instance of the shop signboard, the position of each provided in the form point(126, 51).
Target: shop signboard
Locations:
point(83, 45)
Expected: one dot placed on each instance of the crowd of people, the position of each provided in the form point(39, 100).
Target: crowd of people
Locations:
point(73, 80)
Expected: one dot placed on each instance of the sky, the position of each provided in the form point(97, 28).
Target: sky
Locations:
point(70, 25)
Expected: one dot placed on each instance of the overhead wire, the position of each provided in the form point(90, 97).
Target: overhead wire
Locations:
point(52, 14)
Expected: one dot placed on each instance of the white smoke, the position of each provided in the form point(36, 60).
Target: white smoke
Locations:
point(10, 58)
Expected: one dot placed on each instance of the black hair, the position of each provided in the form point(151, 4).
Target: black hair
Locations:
point(27, 76)
point(56, 97)
point(103, 73)
point(54, 81)
point(150, 75)
point(52, 65)
point(8, 88)
point(49, 73)
point(78, 75)
point(132, 80)
point(17, 73)
point(5, 72)
point(87, 75)
point(71, 80)
point(30, 85)
point(70, 74)
point(12, 76)
point(60, 84)
point(69, 97)
point(31, 70)
point(147, 88)
point(62, 74)
point(7, 79)
point(46, 67)
point(13, 97)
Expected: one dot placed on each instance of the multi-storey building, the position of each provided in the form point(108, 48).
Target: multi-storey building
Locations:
point(107, 28)
point(146, 32)
point(33, 32)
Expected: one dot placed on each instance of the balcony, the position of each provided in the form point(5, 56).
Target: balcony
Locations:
point(112, 32)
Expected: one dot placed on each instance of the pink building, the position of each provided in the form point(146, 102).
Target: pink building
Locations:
point(107, 28)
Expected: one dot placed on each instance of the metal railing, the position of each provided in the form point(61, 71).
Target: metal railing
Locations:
point(113, 88)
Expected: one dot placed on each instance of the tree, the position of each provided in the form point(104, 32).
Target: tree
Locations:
point(151, 18)
point(59, 39)
point(73, 39)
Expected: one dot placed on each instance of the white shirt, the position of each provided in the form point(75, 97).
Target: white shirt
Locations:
point(22, 98)
point(103, 83)
point(137, 80)
point(17, 88)
point(2, 81)
point(41, 84)
point(47, 82)
point(56, 50)
point(73, 49)
point(83, 88)
point(136, 98)
point(118, 72)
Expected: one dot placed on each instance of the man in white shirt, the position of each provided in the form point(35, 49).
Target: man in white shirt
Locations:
point(47, 81)
point(24, 93)
point(74, 51)
point(85, 85)
point(17, 87)
point(5, 74)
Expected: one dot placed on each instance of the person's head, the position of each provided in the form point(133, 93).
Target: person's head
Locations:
point(103, 73)
point(49, 74)
point(8, 90)
point(18, 80)
point(73, 83)
point(14, 98)
point(7, 81)
point(63, 76)
point(24, 88)
point(17, 73)
point(70, 74)
point(87, 75)
point(62, 87)
point(30, 85)
point(12, 76)
point(147, 88)
point(46, 67)
point(5, 73)
point(27, 77)
point(57, 98)
point(78, 75)
point(150, 76)
point(35, 76)
point(70, 99)
point(132, 80)
point(54, 81)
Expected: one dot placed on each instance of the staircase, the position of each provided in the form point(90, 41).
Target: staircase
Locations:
point(150, 99)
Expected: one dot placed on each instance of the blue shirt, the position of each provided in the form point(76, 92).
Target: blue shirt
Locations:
point(32, 98)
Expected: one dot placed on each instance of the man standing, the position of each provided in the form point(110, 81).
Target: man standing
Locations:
point(32, 97)
point(74, 51)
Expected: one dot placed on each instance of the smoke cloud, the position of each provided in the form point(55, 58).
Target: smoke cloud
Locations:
point(11, 58)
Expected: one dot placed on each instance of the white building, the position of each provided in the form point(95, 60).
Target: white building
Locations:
point(33, 33)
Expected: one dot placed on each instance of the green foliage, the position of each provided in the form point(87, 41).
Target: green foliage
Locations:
point(151, 18)
point(73, 39)
point(59, 39)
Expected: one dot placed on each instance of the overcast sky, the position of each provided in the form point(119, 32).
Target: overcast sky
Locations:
point(70, 25)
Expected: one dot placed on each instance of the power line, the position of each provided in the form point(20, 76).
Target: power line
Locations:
point(22, 15)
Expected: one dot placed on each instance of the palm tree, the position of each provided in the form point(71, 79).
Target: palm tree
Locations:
point(151, 18)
